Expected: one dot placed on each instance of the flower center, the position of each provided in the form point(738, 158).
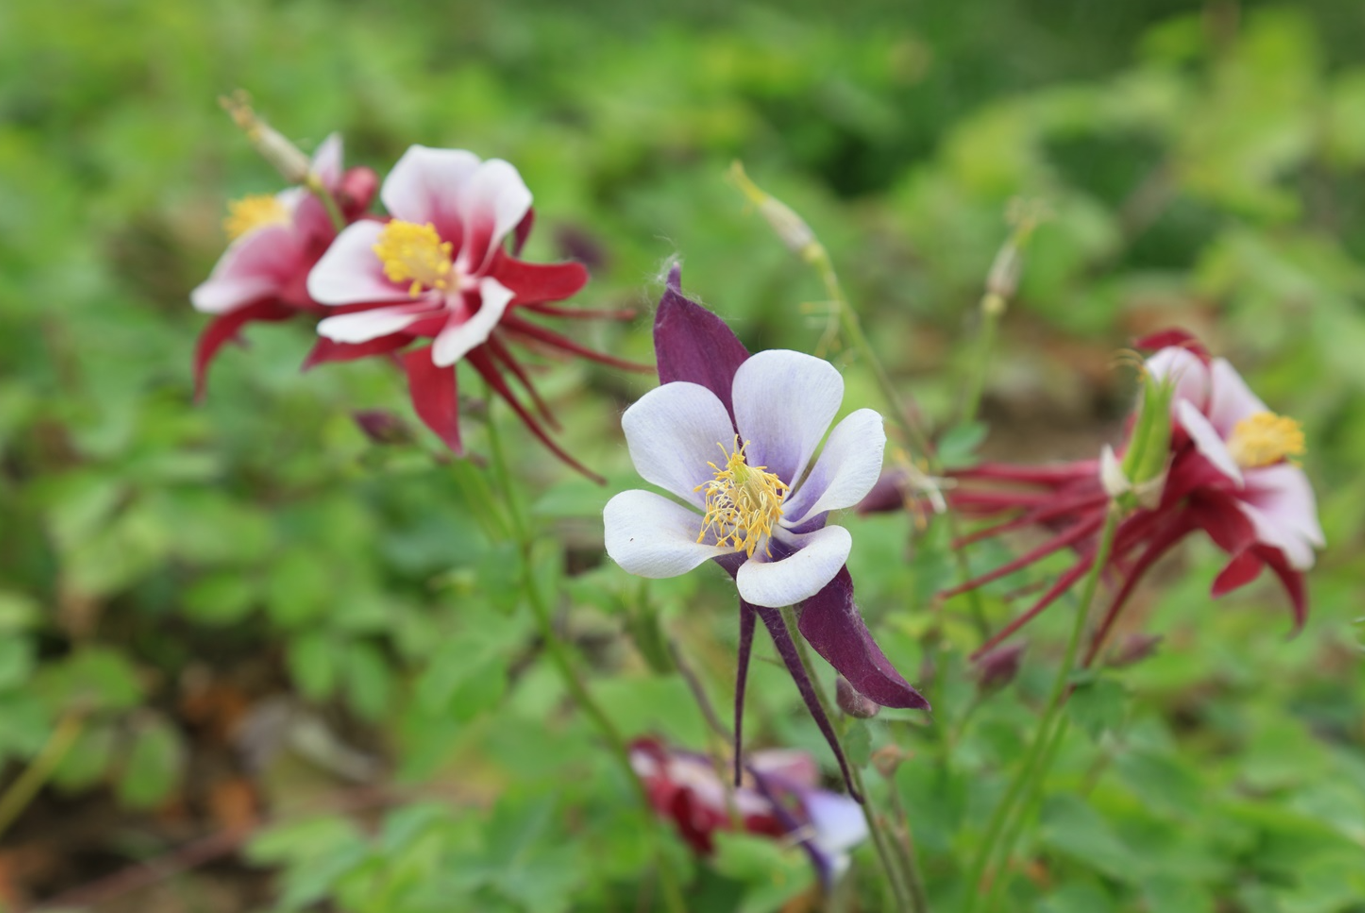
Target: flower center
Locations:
point(1265, 438)
point(416, 253)
point(253, 212)
point(742, 502)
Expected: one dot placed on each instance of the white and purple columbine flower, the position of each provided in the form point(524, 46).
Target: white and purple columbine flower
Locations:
point(732, 437)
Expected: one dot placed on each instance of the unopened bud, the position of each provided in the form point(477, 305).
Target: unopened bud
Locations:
point(382, 426)
point(1138, 481)
point(287, 158)
point(1133, 648)
point(853, 703)
point(1003, 279)
point(790, 228)
point(997, 668)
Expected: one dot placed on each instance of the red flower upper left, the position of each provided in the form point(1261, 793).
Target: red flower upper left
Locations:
point(275, 241)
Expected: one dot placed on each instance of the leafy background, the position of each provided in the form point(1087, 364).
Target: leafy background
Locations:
point(292, 660)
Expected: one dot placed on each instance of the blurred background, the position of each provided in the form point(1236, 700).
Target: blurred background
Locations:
point(245, 641)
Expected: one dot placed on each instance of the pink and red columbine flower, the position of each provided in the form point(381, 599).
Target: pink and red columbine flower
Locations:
point(437, 269)
point(275, 241)
point(734, 437)
point(777, 798)
point(1229, 473)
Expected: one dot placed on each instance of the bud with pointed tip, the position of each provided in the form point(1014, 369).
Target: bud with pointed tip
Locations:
point(853, 703)
point(997, 668)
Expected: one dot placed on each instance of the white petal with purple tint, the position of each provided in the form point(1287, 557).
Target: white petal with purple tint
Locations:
point(848, 467)
point(774, 584)
point(1207, 440)
point(426, 185)
point(651, 536)
point(784, 402)
point(351, 272)
point(362, 326)
point(673, 431)
point(491, 203)
point(1232, 399)
point(327, 161)
point(458, 339)
point(253, 266)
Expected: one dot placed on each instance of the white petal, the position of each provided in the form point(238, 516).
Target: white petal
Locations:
point(253, 266)
point(1207, 440)
point(1232, 399)
point(1112, 479)
point(838, 821)
point(362, 326)
point(775, 584)
point(491, 204)
point(1269, 531)
point(651, 536)
point(672, 432)
point(327, 161)
point(426, 186)
point(1186, 371)
point(1280, 503)
point(784, 402)
point(458, 339)
point(849, 466)
point(351, 272)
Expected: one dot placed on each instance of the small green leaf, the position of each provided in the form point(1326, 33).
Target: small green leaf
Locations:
point(1097, 706)
point(153, 765)
point(858, 743)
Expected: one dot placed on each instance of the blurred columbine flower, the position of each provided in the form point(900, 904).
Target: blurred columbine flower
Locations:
point(274, 242)
point(777, 798)
point(437, 269)
point(1228, 471)
point(732, 437)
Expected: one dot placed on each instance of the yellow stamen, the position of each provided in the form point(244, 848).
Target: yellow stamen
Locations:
point(253, 212)
point(743, 502)
point(1265, 438)
point(415, 252)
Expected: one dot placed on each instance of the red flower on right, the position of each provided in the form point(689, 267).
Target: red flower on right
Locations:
point(1229, 472)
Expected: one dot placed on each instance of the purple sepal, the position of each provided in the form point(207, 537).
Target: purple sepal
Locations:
point(786, 648)
point(830, 622)
point(746, 646)
point(693, 344)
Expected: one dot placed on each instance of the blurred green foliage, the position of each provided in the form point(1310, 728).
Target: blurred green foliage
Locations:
point(1201, 166)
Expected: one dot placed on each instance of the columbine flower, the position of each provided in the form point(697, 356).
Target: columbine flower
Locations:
point(437, 269)
point(777, 799)
point(732, 437)
point(1228, 472)
point(275, 240)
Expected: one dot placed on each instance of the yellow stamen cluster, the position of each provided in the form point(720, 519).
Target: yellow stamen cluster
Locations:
point(743, 502)
point(253, 212)
point(416, 253)
point(1264, 439)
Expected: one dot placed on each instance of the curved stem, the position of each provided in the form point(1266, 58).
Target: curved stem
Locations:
point(21, 792)
point(1038, 760)
point(880, 839)
point(570, 674)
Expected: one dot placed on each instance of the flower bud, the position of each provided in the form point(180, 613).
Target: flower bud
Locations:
point(853, 703)
point(790, 228)
point(287, 158)
point(997, 668)
point(382, 426)
point(1133, 648)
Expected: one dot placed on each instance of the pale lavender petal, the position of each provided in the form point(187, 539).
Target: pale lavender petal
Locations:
point(784, 402)
point(1279, 502)
point(492, 202)
point(255, 265)
point(457, 339)
point(791, 765)
point(1232, 399)
point(1186, 371)
point(351, 272)
point(327, 161)
point(362, 326)
point(838, 820)
point(651, 536)
point(774, 584)
point(848, 467)
point(673, 431)
point(426, 185)
point(1207, 440)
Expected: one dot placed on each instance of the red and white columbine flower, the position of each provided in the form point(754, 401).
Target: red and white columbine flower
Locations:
point(1229, 473)
point(437, 269)
point(275, 241)
point(778, 798)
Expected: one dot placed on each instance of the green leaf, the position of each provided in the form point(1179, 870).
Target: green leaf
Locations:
point(16, 661)
point(369, 684)
point(1072, 827)
point(314, 663)
point(771, 871)
point(153, 765)
point(1097, 706)
point(18, 612)
point(858, 742)
point(957, 446)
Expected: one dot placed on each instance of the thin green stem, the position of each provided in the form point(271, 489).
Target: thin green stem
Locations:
point(21, 792)
point(992, 307)
point(875, 827)
point(572, 677)
point(905, 849)
point(1026, 781)
point(328, 201)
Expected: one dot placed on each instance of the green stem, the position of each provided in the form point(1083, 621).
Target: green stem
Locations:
point(992, 307)
point(28, 783)
point(572, 677)
point(905, 849)
point(874, 824)
point(329, 202)
point(1026, 781)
